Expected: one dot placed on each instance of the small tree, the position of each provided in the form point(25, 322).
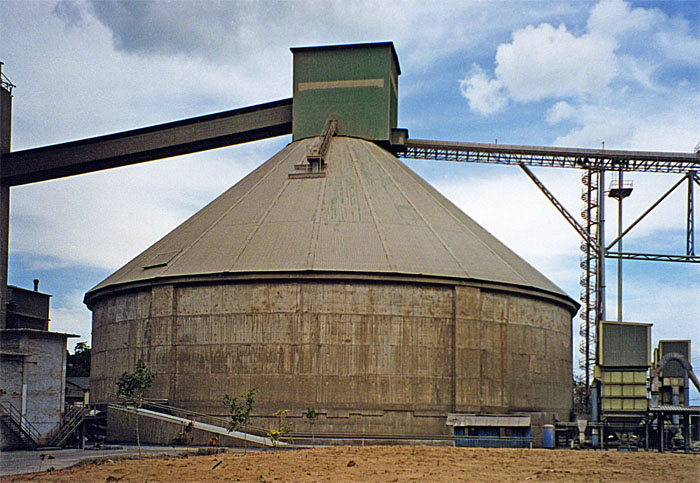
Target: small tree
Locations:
point(132, 386)
point(240, 412)
point(311, 415)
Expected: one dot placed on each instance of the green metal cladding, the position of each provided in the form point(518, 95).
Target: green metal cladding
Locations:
point(357, 85)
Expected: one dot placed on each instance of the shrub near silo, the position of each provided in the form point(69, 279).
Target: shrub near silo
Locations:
point(240, 412)
point(312, 415)
point(132, 386)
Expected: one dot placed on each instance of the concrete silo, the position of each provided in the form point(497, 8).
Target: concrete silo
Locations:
point(346, 283)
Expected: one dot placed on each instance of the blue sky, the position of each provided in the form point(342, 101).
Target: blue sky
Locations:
point(557, 73)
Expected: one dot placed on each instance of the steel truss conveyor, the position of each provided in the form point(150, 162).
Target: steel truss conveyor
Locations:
point(552, 157)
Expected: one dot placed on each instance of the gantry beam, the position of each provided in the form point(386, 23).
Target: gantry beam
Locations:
point(654, 257)
point(552, 157)
point(146, 144)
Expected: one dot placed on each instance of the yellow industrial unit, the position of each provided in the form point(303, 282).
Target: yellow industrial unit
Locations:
point(624, 390)
point(624, 363)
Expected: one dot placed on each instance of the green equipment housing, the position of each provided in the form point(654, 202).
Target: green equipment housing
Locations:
point(356, 85)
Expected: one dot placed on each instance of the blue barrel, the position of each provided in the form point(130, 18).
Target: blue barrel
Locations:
point(548, 436)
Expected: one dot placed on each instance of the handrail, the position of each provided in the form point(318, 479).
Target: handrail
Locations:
point(10, 410)
point(206, 418)
point(375, 436)
point(73, 416)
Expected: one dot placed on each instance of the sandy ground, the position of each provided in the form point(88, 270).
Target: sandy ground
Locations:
point(390, 464)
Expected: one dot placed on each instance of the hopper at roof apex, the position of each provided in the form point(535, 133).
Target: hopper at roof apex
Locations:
point(355, 84)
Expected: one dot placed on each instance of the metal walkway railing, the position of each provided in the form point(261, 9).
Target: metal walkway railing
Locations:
point(71, 421)
point(215, 429)
point(200, 417)
point(19, 425)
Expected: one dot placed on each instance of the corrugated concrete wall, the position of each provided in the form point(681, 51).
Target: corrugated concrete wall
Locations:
point(369, 356)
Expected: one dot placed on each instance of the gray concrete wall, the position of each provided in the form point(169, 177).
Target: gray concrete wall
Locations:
point(11, 378)
point(43, 373)
point(369, 356)
point(45, 378)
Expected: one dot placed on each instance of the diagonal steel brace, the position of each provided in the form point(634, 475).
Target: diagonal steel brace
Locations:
point(572, 221)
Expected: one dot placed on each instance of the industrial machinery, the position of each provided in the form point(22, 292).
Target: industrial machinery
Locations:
point(669, 385)
point(622, 377)
point(643, 403)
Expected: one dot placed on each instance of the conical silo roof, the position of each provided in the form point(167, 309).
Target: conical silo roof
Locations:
point(365, 213)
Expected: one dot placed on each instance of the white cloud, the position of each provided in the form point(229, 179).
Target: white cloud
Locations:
point(648, 126)
point(486, 96)
point(72, 317)
point(623, 94)
point(641, 71)
point(612, 18)
point(246, 30)
point(679, 45)
point(512, 208)
point(561, 111)
point(544, 62)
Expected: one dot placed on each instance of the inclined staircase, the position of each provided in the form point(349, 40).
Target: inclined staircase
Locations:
point(12, 418)
point(216, 426)
point(73, 418)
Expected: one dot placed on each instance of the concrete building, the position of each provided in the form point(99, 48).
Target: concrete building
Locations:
point(334, 277)
point(32, 371)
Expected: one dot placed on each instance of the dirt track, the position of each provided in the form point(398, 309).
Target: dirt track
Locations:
point(392, 464)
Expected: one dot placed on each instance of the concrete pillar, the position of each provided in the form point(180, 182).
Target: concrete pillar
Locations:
point(4, 247)
point(5, 136)
point(595, 415)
